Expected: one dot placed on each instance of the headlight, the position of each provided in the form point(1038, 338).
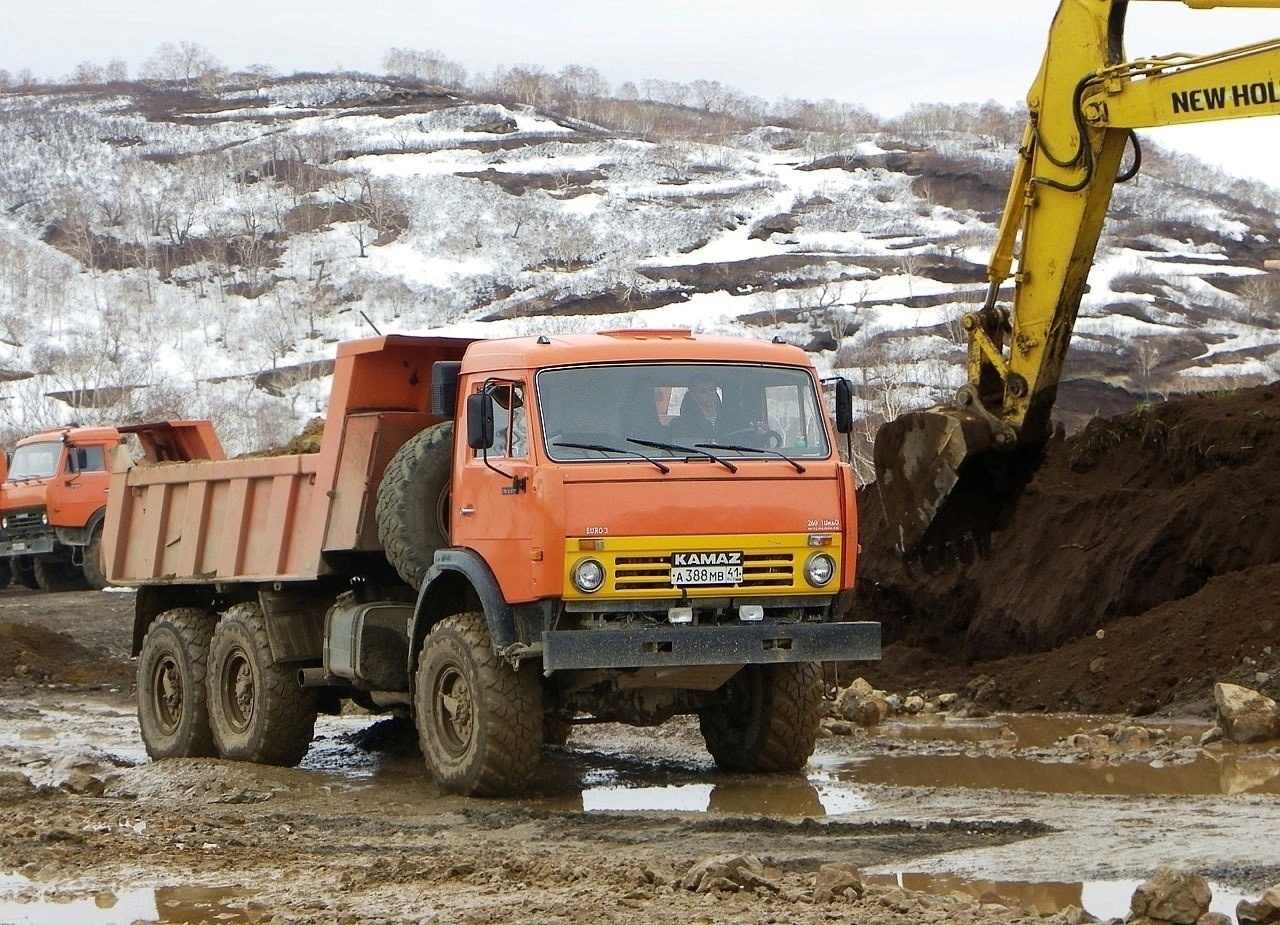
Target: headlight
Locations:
point(4, 523)
point(819, 569)
point(44, 518)
point(587, 575)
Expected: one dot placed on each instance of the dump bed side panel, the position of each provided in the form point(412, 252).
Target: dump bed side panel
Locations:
point(231, 520)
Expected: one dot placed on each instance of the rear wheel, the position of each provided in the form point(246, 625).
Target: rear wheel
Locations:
point(413, 502)
point(55, 575)
point(479, 722)
point(94, 569)
point(24, 572)
point(257, 710)
point(173, 708)
point(764, 718)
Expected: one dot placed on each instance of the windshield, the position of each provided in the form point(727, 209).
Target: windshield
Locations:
point(34, 461)
point(622, 412)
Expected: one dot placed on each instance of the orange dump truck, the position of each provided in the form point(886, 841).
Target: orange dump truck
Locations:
point(53, 499)
point(624, 526)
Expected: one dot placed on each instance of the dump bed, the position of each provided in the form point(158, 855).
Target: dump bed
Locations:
point(275, 517)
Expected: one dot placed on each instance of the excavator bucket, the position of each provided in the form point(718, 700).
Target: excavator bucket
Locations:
point(918, 458)
point(948, 481)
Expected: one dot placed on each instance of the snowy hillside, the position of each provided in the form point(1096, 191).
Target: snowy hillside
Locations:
point(181, 254)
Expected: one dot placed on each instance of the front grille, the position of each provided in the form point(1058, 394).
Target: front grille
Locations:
point(29, 522)
point(653, 573)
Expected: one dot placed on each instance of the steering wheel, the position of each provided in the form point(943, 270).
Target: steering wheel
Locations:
point(772, 438)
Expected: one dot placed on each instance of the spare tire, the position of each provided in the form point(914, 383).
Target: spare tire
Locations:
point(413, 502)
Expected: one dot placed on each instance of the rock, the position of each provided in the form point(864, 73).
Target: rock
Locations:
point(503, 126)
point(1171, 896)
point(1214, 918)
point(947, 701)
point(860, 703)
point(660, 873)
point(1245, 715)
point(82, 783)
point(728, 873)
point(1211, 735)
point(15, 786)
point(1131, 737)
point(1266, 911)
point(870, 713)
point(773, 224)
point(914, 704)
point(1098, 665)
point(861, 687)
point(834, 880)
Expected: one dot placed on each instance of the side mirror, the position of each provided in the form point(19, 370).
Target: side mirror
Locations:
point(480, 420)
point(844, 406)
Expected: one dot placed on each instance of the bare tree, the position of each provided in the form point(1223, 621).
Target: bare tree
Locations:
point(87, 72)
point(185, 62)
point(431, 66)
point(579, 86)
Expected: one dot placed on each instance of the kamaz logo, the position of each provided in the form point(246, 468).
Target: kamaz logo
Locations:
point(705, 558)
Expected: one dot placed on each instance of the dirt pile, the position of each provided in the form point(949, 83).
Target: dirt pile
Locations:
point(35, 654)
point(1158, 528)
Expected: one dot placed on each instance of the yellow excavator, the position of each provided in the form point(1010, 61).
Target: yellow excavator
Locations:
point(947, 475)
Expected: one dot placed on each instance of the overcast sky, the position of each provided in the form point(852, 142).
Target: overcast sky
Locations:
point(879, 54)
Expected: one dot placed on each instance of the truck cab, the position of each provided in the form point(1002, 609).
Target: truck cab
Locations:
point(53, 499)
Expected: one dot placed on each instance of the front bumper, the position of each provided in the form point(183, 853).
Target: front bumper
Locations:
point(753, 644)
point(27, 545)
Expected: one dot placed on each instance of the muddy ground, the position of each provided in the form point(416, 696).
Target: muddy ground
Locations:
point(1072, 762)
point(986, 819)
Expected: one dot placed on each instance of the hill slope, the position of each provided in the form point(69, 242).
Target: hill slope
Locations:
point(170, 252)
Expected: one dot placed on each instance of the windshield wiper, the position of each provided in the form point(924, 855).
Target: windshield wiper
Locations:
point(754, 449)
point(601, 448)
point(676, 447)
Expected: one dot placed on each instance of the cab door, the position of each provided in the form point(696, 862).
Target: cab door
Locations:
point(78, 490)
point(493, 510)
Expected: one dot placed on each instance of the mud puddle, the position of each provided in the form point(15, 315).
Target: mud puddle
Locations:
point(1012, 753)
point(1208, 776)
point(27, 903)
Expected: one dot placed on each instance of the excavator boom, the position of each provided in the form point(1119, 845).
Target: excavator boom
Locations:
point(944, 473)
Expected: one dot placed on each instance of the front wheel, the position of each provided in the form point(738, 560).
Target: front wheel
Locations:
point(764, 718)
point(479, 722)
point(94, 569)
point(56, 575)
point(173, 709)
point(257, 709)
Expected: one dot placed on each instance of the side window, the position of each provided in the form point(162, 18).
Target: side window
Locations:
point(510, 427)
point(87, 459)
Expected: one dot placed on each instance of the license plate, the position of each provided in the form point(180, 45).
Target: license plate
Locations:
point(19, 546)
point(706, 568)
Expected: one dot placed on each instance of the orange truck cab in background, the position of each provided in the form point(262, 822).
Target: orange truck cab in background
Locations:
point(53, 499)
point(502, 538)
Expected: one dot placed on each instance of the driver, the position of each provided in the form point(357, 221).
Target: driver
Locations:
point(699, 410)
